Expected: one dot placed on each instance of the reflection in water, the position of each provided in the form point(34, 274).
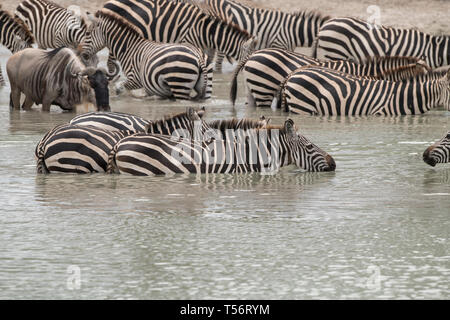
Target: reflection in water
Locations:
point(293, 235)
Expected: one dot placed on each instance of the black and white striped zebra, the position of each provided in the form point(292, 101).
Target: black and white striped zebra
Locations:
point(316, 90)
point(172, 71)
point(439, 152)
point(14, 35)
point(182, 22)
point(52, 25)
point(273, 28)
point(356, 39)
point(84, 148)
point(263, 150)
point(111, 121)
point(266, 69)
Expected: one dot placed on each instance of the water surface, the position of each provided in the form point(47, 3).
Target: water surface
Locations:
point(376, 228)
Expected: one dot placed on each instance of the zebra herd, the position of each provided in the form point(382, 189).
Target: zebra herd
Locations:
point(167, 48)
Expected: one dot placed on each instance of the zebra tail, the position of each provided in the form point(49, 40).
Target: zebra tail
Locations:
point(233, 90)
point(314, 46)
point(204, 71)
point(41, 167)
point(281, 94)
point(112, 167)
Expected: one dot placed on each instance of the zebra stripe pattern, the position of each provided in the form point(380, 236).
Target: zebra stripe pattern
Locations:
point(266, 69)
point(169, 22)
point(14, 35)
point(352, 38)
point(111, 121)
point(85, 148)
point(262, 150)
point(439, 152)
point(273, 28)
point(52, 25)
point(317, 90)
point(166, 70)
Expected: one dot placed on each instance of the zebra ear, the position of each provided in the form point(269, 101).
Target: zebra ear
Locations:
point(289, 127)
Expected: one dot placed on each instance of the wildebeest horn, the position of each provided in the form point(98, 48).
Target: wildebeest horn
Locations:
point(88, 71)
point(68, 67)
point(111, 76)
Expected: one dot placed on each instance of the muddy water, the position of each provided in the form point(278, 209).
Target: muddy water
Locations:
point(378, 227)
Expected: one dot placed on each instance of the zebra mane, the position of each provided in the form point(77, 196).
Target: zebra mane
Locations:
point(407, 59)
point(235, 123)
point(25, 33)
point(200, 113)
point(121, 22)
point(311, 14)
point(51, 3)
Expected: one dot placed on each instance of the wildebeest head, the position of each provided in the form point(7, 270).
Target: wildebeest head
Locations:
point(97, 79)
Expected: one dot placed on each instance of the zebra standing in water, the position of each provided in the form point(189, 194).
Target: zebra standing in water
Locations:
point(84, 148)
point(14, 35)
point(265, 149)
point(266, 69)
point(439, 152)
point(317, 90)
point(352, 38)
point(166, 70)
point(273, 28)
point(171, 21)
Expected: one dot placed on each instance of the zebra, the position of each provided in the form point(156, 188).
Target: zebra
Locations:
point(52, 25)
point(14, 35)
point(316, 90)
point(439, 152)
point(263, 150)
point(182, 22)
point(273, 28)
point(266, 69)
point(162, 69)
point(112, 121)
point(78, 148)
point(353, 38)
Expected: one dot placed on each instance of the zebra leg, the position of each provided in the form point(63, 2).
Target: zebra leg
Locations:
point(219, 60)
point(2, 80)
point(250, 100)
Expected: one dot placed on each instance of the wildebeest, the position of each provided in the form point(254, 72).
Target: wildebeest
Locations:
point(56, 77)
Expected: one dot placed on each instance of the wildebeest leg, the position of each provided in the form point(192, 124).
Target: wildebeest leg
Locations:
point(14, 97)
point(46, 103)
point(27, 103)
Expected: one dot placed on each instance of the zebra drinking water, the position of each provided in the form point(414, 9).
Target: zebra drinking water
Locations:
point(439, 152)
point(262, 150)
point(265, 70)
point(316, 90)
point(166, 70)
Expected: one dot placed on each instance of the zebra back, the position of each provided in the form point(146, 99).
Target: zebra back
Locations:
point(354, 38)
point(112, 121)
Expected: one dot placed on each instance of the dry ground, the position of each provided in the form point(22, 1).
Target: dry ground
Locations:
point(428, 15)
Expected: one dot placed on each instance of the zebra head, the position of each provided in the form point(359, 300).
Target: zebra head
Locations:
point(438, 152)
point(94, 39)
point(305, 154)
